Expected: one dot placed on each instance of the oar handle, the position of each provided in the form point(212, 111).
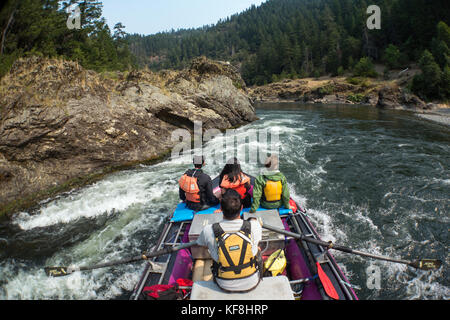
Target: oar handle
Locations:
point(144, 256)
point(425, 264)
point(64, 271)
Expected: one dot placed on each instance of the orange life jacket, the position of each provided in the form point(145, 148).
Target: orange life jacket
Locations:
point(238, 185)
point(190, 187)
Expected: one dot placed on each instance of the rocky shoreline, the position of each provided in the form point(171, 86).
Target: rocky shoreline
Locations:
point(340, 90)
point(62, 126)
point(437, 117)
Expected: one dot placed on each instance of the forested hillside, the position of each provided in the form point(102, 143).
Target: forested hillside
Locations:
point(300, 38)
point(279, 39)
point(39, 27)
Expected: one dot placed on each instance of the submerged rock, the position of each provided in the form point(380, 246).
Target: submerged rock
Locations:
point(59, 121)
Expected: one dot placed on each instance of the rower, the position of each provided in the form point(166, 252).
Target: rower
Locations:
point(233, 246)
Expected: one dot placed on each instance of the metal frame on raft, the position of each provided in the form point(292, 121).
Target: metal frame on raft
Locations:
point(173, 234)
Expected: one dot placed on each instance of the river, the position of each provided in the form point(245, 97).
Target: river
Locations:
point(373, 180)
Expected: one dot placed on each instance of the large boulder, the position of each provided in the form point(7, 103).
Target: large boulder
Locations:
point(59, 122)
point(394, 97)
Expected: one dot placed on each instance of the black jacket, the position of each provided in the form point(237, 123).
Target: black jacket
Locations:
point(207, 197)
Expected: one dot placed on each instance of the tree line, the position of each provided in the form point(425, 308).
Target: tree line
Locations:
point(310, 38)
point(279, 39)
point(39, 27)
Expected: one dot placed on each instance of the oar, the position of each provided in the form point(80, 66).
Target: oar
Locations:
point(422, 264)
point(65, 271)
point(326, 282)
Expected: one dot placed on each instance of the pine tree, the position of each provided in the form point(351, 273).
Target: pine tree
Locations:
point(445, 83)
point(428, 83)
point(365, 68)
point(441, 45)
point(392, 56)
point(39, 27)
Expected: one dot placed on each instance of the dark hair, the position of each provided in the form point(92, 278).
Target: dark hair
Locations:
point(231, 204)
point(232, 169)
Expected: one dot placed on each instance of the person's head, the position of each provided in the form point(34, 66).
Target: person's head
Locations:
point(272, 163)
point(232, 169)
point(231, 204)
point(199, 162)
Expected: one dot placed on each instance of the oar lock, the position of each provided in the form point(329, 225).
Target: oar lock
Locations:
point(322, 257)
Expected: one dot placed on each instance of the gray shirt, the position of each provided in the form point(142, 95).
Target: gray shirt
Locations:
point(207, 239)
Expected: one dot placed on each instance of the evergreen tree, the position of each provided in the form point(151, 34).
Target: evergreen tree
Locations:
point(445, 83)
point(428, 83)
point(392, 56)
point(441, 44)
point(38, 27)
point(365, 68)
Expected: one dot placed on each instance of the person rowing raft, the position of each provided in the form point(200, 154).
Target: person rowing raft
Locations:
point(233, 246)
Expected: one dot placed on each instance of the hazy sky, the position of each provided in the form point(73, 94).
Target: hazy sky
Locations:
point(152, 16)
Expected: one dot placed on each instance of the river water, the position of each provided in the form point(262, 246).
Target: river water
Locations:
point(377, 181)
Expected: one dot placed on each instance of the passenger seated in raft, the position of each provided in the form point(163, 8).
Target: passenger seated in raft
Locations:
point(196, 187)
point(233, 178)
point(233, 246)
point(271, 190)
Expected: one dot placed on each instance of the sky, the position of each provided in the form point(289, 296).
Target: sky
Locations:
point(153, 16)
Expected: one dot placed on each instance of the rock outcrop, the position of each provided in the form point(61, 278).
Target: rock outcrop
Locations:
point(59, 122)
point(381, 94)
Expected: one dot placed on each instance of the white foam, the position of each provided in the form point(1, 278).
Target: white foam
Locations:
point(116, 193)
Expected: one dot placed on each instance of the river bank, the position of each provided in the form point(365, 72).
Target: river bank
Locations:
point(388, 94)
point(376, 93)
point(440, 115)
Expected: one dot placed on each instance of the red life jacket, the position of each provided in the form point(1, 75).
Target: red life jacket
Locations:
point(167, 292)
point(238, 185)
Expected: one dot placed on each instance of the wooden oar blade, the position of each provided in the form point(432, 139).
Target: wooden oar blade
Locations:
point(427, 264)
point(56, 271)
point(326, 282)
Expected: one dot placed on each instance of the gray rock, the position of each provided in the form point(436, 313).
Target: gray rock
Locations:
point(60, 122)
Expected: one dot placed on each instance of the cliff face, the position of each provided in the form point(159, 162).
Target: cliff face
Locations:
point(60, 122)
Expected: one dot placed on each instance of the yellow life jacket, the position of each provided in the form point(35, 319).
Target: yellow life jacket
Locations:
point(273, 190)
point(276, 263)
point(236, 259)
